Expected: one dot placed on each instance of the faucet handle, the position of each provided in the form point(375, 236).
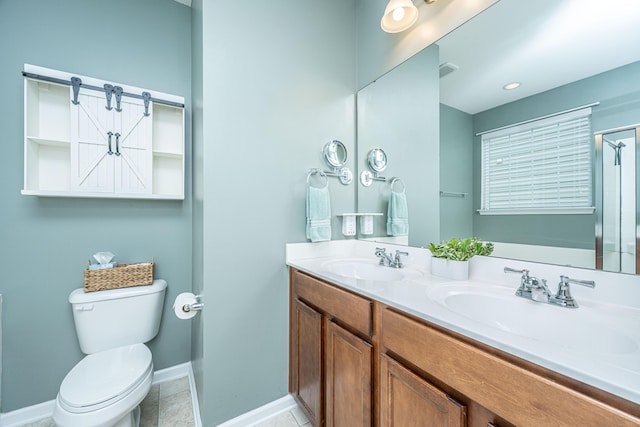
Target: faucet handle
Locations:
point(524, 271)
point(563, 296)
point(564, 280)
point(396, 260)
point(382, 254)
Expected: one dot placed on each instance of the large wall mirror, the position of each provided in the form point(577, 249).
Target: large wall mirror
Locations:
point(430, 113)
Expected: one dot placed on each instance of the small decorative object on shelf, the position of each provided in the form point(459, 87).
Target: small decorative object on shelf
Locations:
point(451, 257)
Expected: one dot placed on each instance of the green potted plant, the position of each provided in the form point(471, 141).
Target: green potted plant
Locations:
point(451, 257)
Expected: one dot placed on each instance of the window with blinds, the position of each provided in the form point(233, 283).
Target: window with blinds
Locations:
point(539, 167)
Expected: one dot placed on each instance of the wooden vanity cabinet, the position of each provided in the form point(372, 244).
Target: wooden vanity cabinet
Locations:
point(356, 362)
point(491, 382)
point(331, 354)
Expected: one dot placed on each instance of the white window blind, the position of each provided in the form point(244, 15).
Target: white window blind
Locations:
point(542, 166)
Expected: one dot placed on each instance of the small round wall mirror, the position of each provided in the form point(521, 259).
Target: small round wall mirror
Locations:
point(335, 153)
point(377, 160)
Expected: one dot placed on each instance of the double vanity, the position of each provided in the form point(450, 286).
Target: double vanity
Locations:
point(372, 345)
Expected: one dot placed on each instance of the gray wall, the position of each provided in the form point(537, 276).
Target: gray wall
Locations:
point(278, 82)
point(45, 242)
point(619, 97)
point(456, 173)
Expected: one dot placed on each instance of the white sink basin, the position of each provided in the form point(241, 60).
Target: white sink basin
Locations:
point(593, 328)
point(368, 269)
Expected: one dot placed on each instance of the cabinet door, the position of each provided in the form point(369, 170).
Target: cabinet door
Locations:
point(91, 161)
point(134, 156)
point(406, 400)
point(306, 360)
point(348, 376)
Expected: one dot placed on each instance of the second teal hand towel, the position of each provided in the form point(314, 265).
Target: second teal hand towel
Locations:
point(397, 215)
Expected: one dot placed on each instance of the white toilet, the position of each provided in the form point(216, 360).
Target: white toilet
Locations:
point(105, 388)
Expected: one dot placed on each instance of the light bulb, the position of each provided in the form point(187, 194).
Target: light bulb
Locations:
point(398, 14)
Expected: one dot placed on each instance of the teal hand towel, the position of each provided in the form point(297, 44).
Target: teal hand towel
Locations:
point(397, 215)
point(318, 214)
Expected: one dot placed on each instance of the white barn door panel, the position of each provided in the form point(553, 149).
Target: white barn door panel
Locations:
point(134, 155)
point(91, 163)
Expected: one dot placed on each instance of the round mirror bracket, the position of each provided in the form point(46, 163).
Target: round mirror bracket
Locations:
point(366, 178)
point(345, 175)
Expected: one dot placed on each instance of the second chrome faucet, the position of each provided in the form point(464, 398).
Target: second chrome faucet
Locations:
point(386, 259)
point(537, 289)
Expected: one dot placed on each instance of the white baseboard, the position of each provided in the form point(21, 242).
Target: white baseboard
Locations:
point(262, 413)
point(27, 415)
point(43, 410)
point(172, 373)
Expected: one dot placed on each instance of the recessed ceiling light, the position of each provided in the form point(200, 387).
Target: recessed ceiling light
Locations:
point(511, 86)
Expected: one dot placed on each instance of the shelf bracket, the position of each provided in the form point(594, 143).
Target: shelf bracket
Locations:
point(108, 91)
point(146, 97)
point(75, 83)
point(118, 91)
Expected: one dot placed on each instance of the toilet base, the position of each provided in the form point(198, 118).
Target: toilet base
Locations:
point(132, 419)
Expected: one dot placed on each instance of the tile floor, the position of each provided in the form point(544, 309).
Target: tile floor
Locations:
point(168, 404)
point(293, 418)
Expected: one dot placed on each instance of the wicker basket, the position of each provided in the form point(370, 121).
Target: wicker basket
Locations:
point(120, 276)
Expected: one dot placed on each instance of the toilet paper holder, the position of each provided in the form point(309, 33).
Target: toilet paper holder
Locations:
point(187, 305)
point(198, 306)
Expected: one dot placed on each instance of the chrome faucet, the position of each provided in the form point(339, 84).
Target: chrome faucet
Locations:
point(537, 289)
point(393, 262)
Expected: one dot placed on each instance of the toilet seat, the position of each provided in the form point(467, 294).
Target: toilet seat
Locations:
point(102, 379)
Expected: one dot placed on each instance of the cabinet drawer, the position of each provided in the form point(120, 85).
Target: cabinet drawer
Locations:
point(518, 395)
point(351, 309)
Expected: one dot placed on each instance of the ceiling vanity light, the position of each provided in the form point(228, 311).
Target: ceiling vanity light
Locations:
point(400, 15)
point(511, 86)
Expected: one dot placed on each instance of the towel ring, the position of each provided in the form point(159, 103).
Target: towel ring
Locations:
point(394, 180)
point(321, 173)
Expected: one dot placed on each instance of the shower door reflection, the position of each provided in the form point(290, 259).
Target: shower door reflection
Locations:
point(616, 237)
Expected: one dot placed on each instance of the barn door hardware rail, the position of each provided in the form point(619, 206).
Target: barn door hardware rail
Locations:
point(76, 83)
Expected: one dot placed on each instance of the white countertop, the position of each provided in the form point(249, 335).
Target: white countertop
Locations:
point(615, 372)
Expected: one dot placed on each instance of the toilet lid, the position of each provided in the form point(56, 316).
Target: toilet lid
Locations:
point(102, 377)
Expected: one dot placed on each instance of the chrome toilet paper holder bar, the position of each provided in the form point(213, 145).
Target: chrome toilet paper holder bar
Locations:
point(196, 306)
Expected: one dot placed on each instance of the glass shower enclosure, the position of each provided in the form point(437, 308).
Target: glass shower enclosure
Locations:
point(617, 200)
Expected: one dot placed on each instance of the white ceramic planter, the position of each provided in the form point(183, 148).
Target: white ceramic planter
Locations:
point(450, 269)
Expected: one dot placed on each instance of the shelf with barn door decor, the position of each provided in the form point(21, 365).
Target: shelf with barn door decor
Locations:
point(85, 137)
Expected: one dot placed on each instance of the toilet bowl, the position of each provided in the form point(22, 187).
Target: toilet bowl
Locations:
point(106, 387)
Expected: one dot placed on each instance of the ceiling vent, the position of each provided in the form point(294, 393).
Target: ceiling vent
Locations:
point(447, 68)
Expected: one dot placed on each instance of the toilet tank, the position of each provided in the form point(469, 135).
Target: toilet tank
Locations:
point(117, 317)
